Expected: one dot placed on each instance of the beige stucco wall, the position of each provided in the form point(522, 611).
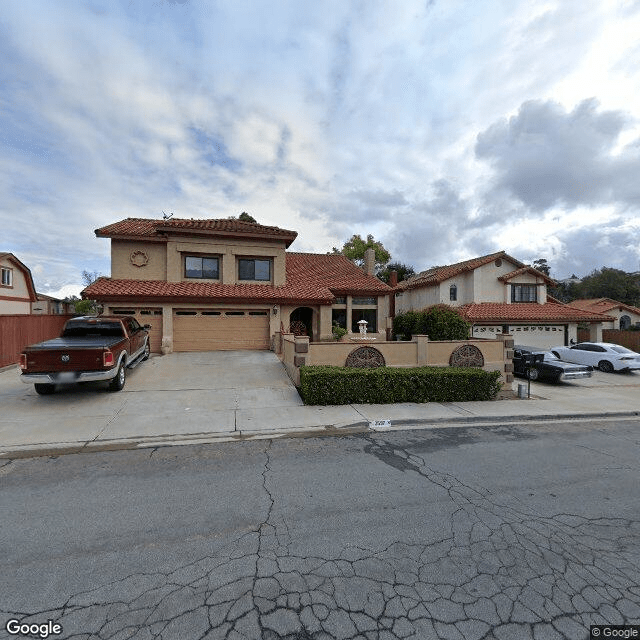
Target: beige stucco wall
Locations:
point(617, 314)
point(122, 268)
point(9, 307)
point(166, 260)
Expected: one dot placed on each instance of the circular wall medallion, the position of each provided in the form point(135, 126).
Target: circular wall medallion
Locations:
point(139, 259)
point(466, 356)
point(367, 357)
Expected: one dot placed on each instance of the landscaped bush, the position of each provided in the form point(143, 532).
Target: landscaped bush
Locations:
point(439, 322)
point(386, 385)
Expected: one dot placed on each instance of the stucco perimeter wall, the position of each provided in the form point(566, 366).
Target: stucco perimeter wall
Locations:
point(420, 351)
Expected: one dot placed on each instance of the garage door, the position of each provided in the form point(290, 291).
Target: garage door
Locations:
point(146, 316)
point(542, 336)
point(207, 330)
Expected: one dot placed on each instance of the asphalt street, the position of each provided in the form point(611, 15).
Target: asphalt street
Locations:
point(522, 532)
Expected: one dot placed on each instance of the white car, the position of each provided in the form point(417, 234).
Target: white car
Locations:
point(602, 355)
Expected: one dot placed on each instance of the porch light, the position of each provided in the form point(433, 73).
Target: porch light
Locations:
point(274, 310)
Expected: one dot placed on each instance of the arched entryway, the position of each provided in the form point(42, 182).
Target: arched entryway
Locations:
point(301, 322)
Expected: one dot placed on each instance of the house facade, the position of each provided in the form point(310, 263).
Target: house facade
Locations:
point(498, 294)
point(17, 291)
point(623, 316)
point(228, 284)
point(48, 305)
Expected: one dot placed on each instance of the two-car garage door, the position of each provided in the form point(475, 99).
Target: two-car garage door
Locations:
point(209, 330)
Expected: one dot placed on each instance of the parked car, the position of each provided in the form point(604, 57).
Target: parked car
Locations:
point(547, 366)
point(90, 349)
point(605, 356)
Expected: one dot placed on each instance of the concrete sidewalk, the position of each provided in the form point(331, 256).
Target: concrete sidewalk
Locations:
point(256, 400)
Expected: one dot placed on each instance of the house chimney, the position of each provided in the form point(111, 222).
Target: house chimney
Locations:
point(369, 261)
point(393, 279)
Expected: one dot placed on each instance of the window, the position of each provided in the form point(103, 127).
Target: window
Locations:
point(254, 269)
point(7, 280)
point(524, 293)
point(339, 317)
point(341, 300)
point(201, 267)
point(364, 314)
point(453, 293)
point(366, 301)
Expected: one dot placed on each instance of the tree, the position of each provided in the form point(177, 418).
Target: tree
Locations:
point(245, 217)
point(85, 307)
point(355, 247)
point(610, 283)
point(439, 322)
point(404, 271)
point(541, 265)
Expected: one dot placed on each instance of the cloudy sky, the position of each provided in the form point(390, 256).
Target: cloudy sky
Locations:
point(447, 129)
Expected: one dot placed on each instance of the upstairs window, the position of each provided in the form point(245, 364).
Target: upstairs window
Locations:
point(453, 293)
point(524, 293)
point(6, 277)
point(202, 267)
point(254, 269)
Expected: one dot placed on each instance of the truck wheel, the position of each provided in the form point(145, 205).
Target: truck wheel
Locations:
point(117, 384)
point(532, 373)
point(45, 389)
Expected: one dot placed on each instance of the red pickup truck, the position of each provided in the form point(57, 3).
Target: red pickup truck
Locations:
point(90, 349)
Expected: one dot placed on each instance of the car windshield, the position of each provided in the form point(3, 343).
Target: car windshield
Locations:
point(618, 349)
point(549, 356)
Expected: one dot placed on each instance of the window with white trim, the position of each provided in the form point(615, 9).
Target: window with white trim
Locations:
point(6, 277)
point(524, 293)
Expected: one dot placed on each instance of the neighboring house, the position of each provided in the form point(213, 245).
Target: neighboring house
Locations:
point(623, 315)
point(497, 293)
point(228, 284)
point(47, 305)
point(17, 291)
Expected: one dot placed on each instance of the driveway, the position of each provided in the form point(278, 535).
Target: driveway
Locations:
point(178, 394)
point(610, 391)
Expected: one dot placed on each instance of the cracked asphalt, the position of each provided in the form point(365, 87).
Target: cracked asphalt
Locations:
point(522, 532)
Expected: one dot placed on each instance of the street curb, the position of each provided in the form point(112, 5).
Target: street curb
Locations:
point(346, 429)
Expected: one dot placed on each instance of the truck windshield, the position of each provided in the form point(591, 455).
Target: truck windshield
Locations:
point(85, 329)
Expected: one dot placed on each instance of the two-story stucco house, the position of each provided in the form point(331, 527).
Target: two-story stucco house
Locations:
point(228, 284)
point(497, 293)
point(17, 291)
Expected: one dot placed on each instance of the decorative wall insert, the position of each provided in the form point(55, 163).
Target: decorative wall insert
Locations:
point(466, 356)
point(366, 357)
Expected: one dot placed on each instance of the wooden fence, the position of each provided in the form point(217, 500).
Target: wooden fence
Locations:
point(629, 339)
point(18, 331)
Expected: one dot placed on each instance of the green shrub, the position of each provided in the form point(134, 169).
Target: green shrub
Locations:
point(324, 385)
point(439, 322)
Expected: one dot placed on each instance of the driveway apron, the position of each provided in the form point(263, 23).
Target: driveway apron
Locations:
point(175, 395)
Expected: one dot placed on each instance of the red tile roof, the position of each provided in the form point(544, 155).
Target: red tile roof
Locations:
point(333, 271)
point(526, 269)
point(602, 305)
point(311, 279)
point(150, 228)
point(440, 274)
point(527, 312)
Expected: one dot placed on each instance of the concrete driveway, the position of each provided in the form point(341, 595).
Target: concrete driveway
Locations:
point(611, 392)
point(179, 394)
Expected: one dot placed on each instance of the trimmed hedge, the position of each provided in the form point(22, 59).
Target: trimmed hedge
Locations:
point(386, 385)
